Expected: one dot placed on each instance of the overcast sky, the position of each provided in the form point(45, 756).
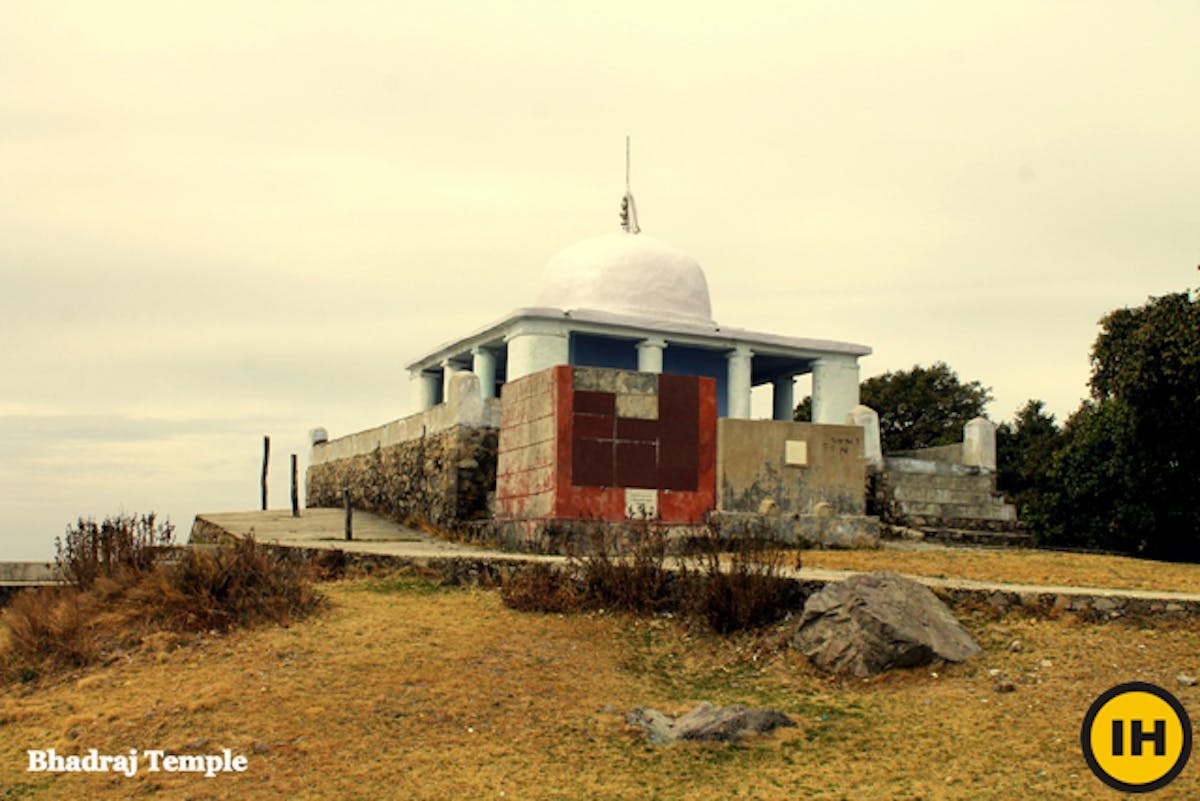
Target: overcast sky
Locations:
point(223, 220)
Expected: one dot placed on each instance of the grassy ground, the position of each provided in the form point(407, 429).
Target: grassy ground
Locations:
point(1019, 566)
point(406, 690)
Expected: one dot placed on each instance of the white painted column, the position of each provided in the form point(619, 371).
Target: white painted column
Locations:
point(534, 346)
point(783, 391)
point(737, 384)
point(423, 389)
point(835, 389)
point(650, 355)
point(483, 364)
point(448, 371)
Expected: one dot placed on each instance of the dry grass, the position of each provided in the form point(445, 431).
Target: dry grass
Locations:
point(1019, 566)
point(407, 690)
point(241, 584)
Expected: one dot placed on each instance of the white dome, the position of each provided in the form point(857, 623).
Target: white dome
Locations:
point(627, 274)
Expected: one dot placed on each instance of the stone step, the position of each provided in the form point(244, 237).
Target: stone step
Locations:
point(925, 494)
point(944, 511)
point(960, 483)
point(974, 537)
point(893, 464)
point(925, 522)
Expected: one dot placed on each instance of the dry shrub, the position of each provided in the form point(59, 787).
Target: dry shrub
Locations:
point(241, 584)
point(627, 570)
point(121, 544)
point(728, 583)
point(540, 587)
point(743, 589)
point(330, 565)
point(53, 626)
point(125, 598)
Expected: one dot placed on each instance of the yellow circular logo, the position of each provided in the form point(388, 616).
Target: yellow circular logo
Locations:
point(1136, 737)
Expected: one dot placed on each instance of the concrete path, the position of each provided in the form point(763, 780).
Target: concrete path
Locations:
point(323, 528)
point(27, 574)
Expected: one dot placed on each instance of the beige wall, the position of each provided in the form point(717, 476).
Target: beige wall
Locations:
point(751, 467)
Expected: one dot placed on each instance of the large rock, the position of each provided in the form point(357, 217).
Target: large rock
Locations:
point(723, 724)
point(872, 622)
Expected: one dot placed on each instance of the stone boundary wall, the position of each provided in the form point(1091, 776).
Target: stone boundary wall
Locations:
point(1087, 606)
point(445, 478)
point(951, 454)
point(463, 409)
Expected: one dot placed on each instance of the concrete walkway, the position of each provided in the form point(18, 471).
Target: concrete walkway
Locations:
point(323, 528)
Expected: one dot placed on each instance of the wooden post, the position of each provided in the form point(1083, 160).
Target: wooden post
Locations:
point(349, 514)
point(295, 490)
point(266, 461)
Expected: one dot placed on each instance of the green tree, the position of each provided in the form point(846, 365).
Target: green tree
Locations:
point(1128, 473)
point(1025, 451)
point(918, 408)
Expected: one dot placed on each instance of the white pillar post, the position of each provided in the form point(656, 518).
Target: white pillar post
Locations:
point(534, 346)
point(979, 444)
point(868, 419)
point(424, 389)
point(835, 389)
point(737, 385)
point(783, 389)
point(650, 355)
point(483, 364)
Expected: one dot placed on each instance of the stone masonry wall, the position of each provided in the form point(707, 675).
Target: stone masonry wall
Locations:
point(444, 478)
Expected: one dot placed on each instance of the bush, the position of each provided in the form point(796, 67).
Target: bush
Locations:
point(727, 583)
point(125, 586)
point(240, 584)
point(52, 626)
point(746, 589)
point(540, 587)
point(626, 570)
point(125, 543)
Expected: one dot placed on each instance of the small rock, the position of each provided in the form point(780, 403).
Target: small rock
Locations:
point(1046, 663)
point(1016, 646)
point(260, 747)
point(1186, 680)
point(994, 672)
point(1005, 686)
point(723, 724)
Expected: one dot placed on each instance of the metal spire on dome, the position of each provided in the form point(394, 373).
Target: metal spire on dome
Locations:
point(629, 223)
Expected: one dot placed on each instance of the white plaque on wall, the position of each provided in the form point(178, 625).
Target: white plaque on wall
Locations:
point(795, 452)
point(641, 503)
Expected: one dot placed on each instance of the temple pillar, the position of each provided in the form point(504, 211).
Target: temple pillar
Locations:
point(483, 364)
point(650, 355)
point(535, 346)
point(737, 385)
point(424, 388)
point(782, 398)
point(835, 389)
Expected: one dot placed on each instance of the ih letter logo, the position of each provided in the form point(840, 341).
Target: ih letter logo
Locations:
point(1136, 737)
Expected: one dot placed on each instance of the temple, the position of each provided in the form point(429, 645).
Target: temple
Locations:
point(616, 396)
